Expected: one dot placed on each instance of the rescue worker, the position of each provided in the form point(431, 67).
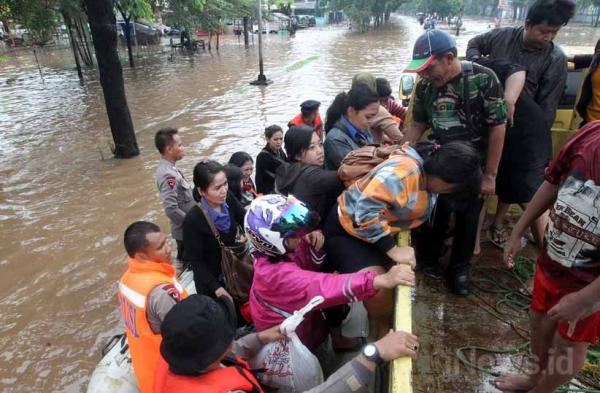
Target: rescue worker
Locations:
point(200, 356)
point(175, 192)
point(147, 292)
point(439, 104)
point(309, 115)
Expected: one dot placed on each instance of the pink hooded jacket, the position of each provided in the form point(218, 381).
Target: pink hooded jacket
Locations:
point(289, 285)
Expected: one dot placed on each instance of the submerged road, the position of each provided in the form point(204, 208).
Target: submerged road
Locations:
point(64, 203)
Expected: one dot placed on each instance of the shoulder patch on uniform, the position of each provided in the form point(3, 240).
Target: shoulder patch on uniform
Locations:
point(171, 181)
point(172, 292)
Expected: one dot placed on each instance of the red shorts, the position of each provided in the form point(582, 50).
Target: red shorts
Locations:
point(546, 294)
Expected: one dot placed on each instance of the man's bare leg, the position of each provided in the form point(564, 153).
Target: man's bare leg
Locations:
point(565, 361)
point(538, 228)
point(541, 342)
point(501, 210)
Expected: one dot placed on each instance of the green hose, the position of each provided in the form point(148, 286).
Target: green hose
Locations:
point(511, 307)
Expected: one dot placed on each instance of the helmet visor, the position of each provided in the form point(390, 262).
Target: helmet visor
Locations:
point(296, 219)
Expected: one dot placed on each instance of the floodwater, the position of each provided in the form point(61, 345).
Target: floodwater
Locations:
point(64, 202)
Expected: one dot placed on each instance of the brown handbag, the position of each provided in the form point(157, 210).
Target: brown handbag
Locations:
point(361, 161)
point(236, 265)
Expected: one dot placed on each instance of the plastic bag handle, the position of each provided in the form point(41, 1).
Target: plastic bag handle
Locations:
point(290, 324)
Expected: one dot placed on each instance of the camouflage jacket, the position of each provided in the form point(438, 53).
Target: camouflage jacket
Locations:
point(443, 108)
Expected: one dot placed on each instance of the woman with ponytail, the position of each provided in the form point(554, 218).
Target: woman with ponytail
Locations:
point(399, 194)
point(347, 123)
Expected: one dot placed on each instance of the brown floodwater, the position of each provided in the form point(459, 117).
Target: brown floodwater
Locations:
point(64, 202)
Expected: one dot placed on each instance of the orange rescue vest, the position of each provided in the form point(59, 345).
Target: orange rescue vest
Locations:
point(317, 124)
point(237, 376)
point(134, 288)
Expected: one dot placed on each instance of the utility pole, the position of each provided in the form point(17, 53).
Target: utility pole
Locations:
point(262, 79)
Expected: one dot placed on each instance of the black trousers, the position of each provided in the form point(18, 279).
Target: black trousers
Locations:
point(179, 249)
point(430, 237)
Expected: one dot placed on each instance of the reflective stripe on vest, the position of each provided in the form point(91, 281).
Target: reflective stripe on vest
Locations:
point(133, 290)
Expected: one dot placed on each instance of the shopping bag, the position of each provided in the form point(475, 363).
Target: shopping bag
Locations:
point(290, 366)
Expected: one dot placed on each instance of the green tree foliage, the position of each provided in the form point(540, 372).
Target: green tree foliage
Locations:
point(40, 18)
point(132, 10)
point(207, 15)
point(442, 8)
point(362, 12)
point(184, 13)
point(285, 6)
point(136, 9)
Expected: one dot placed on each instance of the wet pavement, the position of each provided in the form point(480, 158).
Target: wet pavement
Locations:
point(445, 322)
point(64, 202)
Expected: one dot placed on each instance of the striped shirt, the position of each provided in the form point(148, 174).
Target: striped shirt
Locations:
point(389, 199)
point(395, 108)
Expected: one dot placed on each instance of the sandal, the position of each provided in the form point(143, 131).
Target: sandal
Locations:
point(499, 236)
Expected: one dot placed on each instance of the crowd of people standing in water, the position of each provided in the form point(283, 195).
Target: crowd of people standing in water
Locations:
point(309, 231)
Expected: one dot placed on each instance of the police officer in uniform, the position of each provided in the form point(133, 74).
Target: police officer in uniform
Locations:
point(175, 191)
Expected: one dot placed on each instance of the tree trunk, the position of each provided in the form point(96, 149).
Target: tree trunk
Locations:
point(6, 24)
point(217, 40)
point(127, 31)
point(87, 57)
point(69, 25)
point(246, 40)
point(156, 12)
point(104, 36)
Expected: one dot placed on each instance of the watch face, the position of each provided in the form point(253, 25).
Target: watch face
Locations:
point(370, 350)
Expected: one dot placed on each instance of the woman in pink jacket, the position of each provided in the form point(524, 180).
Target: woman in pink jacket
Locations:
point(289, 255)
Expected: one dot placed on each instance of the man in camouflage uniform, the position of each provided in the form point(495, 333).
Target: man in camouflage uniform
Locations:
point(175, 191)
point(440, 104)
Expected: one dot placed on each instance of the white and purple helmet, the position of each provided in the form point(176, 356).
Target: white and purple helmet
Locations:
point(273, 218)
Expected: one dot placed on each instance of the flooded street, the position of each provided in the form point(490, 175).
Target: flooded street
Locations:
point(64, 202)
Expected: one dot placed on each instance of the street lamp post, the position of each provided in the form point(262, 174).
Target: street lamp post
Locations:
point(262, 79)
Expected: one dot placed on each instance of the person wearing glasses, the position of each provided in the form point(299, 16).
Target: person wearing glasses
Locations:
point(440, 104)
point(304, 176)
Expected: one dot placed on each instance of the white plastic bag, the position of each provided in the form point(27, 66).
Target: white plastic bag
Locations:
point(291, 367)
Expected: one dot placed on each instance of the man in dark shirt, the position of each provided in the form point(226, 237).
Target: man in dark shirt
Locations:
point(532, 46)
point(439, 103)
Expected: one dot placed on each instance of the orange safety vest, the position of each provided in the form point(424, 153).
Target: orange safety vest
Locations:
point(133, 291)
point(317, 124)
point(234, 377)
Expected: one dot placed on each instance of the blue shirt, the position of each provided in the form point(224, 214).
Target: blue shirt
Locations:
point(355, 133)
point(221, 220)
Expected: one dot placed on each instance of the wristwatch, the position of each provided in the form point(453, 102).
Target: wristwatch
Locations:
point(371, 352)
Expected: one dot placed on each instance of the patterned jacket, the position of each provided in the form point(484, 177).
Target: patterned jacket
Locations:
point(389, 199)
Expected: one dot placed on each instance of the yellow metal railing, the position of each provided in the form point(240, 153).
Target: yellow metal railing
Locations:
point(401, 369)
